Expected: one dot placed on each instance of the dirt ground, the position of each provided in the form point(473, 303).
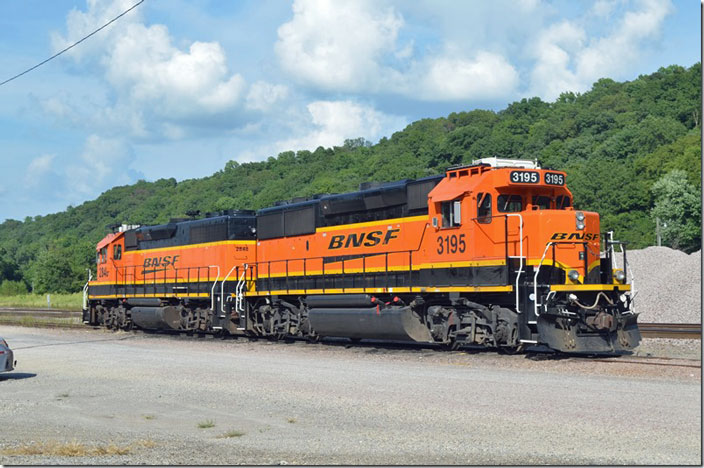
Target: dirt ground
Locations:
point(97, 397)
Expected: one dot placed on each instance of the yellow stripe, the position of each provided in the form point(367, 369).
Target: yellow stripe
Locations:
point(118, 296)
point(409, 219)
point(472, 263)
point(590, 287)
point(416, 289)
point(160, 281)
point(191, 246)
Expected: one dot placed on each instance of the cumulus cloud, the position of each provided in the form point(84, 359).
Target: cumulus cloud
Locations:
point(337, 45)
point(158, 88)
point(567, 61)
point(332, 122)
point(262, 95)
point(104, 163)
point(354, 47)
point(40, 172)
point(485, 76)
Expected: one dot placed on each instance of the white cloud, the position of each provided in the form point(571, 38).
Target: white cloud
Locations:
point(262, 95)
point(332, 122)
point(159, 88)
point(449, 77)
point(40, 171)
point(567, 61)
point(615, 53)
point(104, 163)
point(352, 47)
point(552, 73)
point(337, 45)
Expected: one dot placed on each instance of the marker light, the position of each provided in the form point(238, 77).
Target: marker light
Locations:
point(620, 276)
point(573, 275)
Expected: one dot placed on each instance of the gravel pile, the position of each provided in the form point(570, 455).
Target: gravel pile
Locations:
point(668, 284)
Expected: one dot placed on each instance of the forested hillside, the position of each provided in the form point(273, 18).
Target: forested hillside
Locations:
point(632, 151)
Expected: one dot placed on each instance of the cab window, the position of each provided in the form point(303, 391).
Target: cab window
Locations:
point(484, 208)
point(117, 252)
point(562, 202)
point(103, 255)
point(540, 202)
point(451, 214)
point(509, 203)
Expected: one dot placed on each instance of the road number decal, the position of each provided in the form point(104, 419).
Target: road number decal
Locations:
point(525, 177)
point(451, 244)
point(552, 178)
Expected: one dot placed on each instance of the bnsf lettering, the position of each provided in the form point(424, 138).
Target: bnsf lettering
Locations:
point(366, 239)
point(574, 236)
point(164, 261)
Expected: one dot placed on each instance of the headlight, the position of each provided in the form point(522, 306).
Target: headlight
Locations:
point(620, 276)
point(580, 216)
point(573, 275)
point(580, 226)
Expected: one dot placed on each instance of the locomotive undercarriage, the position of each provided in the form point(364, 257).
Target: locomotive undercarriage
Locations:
point(597, 322)
point(191, 318)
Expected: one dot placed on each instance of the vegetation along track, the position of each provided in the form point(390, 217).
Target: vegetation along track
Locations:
point(72, 319)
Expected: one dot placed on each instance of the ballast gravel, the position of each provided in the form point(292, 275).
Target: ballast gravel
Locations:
point(668, 284)
point(331, 403)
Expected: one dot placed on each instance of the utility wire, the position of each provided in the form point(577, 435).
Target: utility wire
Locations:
point(75, 43)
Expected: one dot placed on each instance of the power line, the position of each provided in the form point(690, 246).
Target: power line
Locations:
point(75, 43)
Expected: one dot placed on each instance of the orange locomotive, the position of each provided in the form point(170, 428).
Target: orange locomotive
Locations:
point(489, 254)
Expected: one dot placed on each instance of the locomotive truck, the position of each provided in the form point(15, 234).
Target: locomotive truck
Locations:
point(488, 254)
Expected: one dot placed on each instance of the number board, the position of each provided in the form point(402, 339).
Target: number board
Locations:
point(553, 178)
point(525, 177)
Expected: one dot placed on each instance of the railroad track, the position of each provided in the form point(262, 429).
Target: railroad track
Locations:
point(682, 331)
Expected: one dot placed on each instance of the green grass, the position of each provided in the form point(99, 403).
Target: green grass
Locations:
point(24, 321)
point(73, 301)
point(230, 434)
point(206, 424)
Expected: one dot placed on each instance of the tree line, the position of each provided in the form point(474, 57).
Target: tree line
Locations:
point(631, 150)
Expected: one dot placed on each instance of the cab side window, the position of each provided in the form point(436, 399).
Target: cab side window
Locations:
point(451, 214)
point(484, 208)
point(103, 255)
point(117, 252)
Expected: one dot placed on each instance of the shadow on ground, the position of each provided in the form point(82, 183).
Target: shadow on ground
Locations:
point(16, 376)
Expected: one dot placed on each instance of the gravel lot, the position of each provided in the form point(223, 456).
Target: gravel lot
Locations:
point(668, 284)
point(329, 404)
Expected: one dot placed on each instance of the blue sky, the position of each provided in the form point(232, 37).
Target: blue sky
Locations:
point(177, 88)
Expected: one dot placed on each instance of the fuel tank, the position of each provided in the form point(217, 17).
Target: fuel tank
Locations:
point(157, 318)
point(383, 323)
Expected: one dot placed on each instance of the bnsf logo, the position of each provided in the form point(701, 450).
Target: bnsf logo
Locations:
point(164, 261)
point(366, 239)
point(574, 235)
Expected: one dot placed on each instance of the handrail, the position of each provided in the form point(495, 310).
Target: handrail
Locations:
point(222, 288)
point(535, 279)
point(212, 290)
point(520, 268)
point(85, 289)
point(240, 287)
point(537, 270)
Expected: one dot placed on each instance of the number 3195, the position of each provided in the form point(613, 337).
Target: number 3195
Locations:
point(451, 244)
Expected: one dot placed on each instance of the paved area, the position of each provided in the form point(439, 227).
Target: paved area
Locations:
point(299, 403)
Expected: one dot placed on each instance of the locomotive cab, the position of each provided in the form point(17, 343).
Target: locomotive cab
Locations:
point(519, 218)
